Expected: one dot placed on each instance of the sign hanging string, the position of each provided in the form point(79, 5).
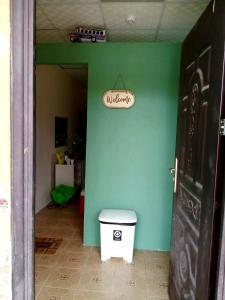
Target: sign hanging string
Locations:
point(119, 78)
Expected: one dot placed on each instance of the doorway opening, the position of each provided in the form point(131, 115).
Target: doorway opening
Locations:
point(64, 267)
point(61, 121)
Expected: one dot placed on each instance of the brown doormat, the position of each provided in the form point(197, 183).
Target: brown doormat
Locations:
point(46, 245)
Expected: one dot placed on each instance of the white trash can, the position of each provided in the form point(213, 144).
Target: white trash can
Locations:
point(117, 229)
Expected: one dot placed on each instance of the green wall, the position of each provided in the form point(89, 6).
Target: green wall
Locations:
point(130, 151)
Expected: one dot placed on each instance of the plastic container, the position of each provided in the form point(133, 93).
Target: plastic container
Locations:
point(62, 194)
point(117, 231)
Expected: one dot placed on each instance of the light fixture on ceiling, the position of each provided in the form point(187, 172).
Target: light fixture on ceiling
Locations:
point(131, 19)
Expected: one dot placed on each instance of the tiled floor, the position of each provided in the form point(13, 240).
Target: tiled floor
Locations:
point(75, 272)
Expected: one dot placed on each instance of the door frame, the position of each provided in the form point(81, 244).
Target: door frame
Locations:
point(220, 288)
point(22, 154)
point(22, 147)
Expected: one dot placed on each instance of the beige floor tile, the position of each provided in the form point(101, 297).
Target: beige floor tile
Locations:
point(69, 217)
point(137, 266)
point(44, 222)
point(69, 225)
point(131, 282)
point(140, 254)
point(76, 246)
point(48, 293)
point(96, 250)
point(161, 263)
point(129, 295)
point(68, 220)
point(73, 260)
point(94, 263)
point(80, 248)
point(37, 289)
point(41, 274)
point(78, 235)
point(157, 274)
point(97, 254)
point(91, 295)
point(64, 278)
point(68, 211)
point(158, 298)
point(46, 260)
point(96, 281)
point(44, 232)
point(157, 269)
point(76, 271)
point(73, 244)
point(66, 234)
point(79, 222)
point(157, 288)
point(119, 265)
point(149, 255)
point(164, 262)
point(62, 247)
point(49, 214)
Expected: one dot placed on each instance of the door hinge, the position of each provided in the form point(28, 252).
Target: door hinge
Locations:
point(222, 127)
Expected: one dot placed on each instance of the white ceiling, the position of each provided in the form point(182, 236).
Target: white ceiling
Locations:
point(156, 20)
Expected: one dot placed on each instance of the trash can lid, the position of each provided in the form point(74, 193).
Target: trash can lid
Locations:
point(122, 216)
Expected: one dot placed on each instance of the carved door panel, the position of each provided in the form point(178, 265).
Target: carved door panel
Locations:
point(197, 196)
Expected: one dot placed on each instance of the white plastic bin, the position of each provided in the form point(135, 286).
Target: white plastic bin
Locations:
point(117, 230)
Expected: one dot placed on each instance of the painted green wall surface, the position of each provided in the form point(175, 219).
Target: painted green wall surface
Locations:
point(129, 151)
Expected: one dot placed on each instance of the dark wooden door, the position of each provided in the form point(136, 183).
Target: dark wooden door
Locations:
point(197, 196)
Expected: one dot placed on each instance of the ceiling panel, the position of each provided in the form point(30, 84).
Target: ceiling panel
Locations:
point(119, 1)
point(182, 16)
point(188, 1)
point(48, 36)
point(131, 35)
point(65, 35)
point(60, 2)
point(147, 15)
point(42, 21)
point(68, 16)
point(171, 19)
point(171, 35)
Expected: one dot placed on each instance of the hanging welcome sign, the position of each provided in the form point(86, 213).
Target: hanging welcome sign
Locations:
point(118, 98)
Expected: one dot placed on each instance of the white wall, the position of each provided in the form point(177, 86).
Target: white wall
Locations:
point(56, 95)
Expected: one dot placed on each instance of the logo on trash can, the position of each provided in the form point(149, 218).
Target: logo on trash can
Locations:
point(117, 235)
